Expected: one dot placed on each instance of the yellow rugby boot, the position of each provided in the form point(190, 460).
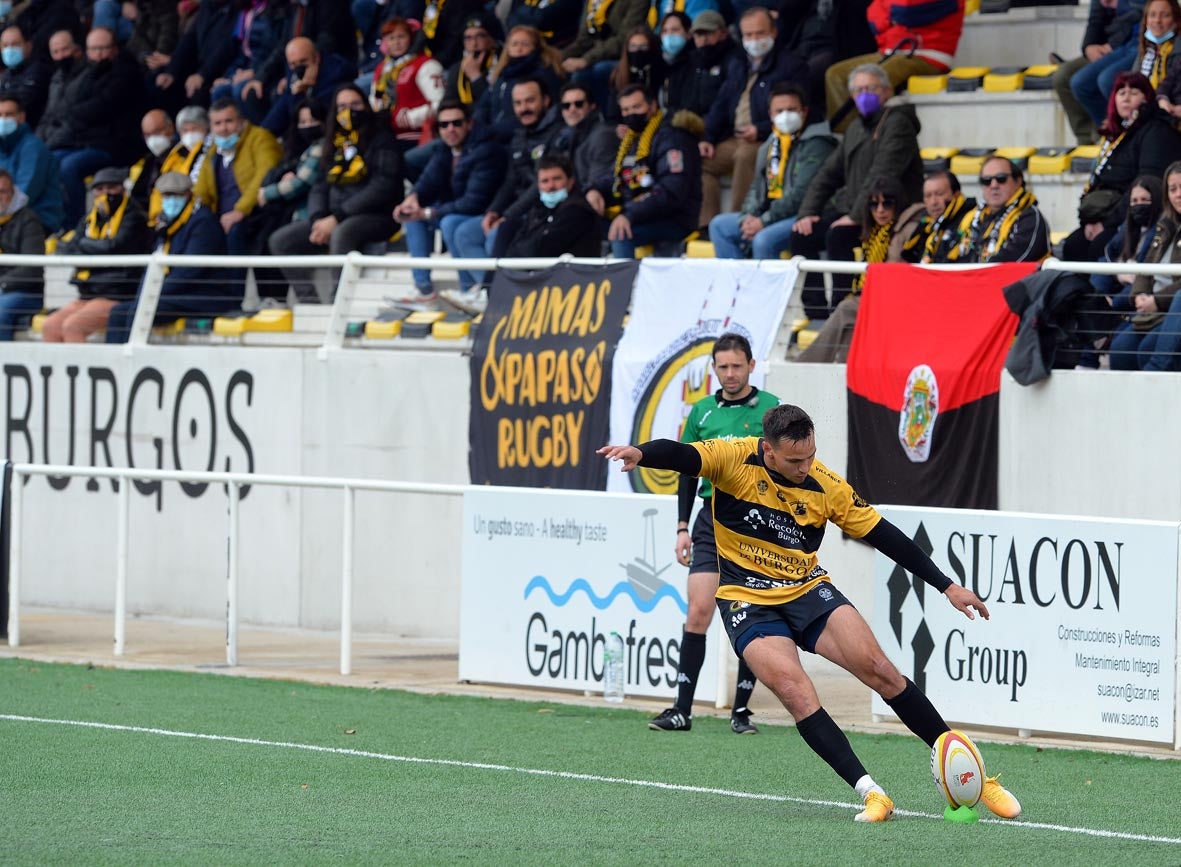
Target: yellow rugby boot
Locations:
point(999, 799)
point(878, 808)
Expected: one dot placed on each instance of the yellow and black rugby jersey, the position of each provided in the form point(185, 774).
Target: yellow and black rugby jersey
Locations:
point(767, 528)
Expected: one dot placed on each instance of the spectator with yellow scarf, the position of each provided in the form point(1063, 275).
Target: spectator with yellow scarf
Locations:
point(350, 205)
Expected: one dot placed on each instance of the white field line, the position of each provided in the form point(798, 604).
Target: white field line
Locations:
point(571, 775)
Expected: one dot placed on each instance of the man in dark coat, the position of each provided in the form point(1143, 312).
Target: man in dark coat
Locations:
point(654, 194)
point(104, 107)
point(739, 121)
point(182, 229)
point(25, 76)
point(882, 142)
point(456, 186)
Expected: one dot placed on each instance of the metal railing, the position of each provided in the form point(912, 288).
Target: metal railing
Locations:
point(233, 483)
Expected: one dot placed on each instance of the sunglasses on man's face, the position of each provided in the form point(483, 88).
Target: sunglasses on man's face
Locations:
point(1000, 178)
point(574, 103)
point(443, 124)
point(887, 202)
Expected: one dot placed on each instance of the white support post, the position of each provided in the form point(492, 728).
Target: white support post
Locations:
point(232, 578)
point(14, 560)
point(145, 307)
point(121, 565)
point(338, 318)
point(346, 585)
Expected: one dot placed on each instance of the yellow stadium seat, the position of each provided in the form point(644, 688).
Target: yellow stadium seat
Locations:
point(969, 161)
point(1019, 156)
point(1040, 77)
point(39, 322)
point(966, 78)
point(644, 251)
point(926, 83)
point(1058, 237)
point(806, 337)
point(1049, 161)
point(1004, 80)
point(171, 329)
point(271, 320)
point(453, 326)
point(378, 330)
point(971, 7)
point(1082, 158)
point(420, 322)
point(700, 250)
point(50, 245)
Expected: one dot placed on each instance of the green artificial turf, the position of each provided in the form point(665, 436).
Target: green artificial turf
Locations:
point(78, 794)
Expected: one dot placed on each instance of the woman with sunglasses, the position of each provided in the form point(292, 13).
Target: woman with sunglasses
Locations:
point(885, 212)
point(1137, 140)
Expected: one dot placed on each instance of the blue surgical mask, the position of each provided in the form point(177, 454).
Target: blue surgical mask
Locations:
point(171, 206)
point(225, 142)
point(5, 8)
point(553, 198)
point(8, 126)
point(672, 43)
point(1148, 34)
point(12, 56)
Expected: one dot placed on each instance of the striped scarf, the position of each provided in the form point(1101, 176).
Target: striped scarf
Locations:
point(596, 15)
point(874, 249)
point(348, 167)
point(631, 174)
point(1156, 59)
point(944, 230)
point(983, 233)
point(777, 156)
point(430, 17)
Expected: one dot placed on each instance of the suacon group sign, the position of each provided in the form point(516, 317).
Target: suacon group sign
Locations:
point(549, 575)
point(1083, 631)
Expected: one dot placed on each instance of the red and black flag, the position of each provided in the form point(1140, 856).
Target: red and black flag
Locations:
point(924, 374)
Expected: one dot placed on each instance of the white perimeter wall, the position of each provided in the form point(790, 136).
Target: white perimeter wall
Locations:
point(1086, 443)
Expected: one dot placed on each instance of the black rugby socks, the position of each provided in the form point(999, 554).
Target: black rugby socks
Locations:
point(746, 685)
point(917, 713)
point(829, 742)
point(692, 658)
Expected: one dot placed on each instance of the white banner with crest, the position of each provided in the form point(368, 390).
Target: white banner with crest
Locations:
point(662, 366)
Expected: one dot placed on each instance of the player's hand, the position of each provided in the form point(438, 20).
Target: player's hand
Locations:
point(965, 600)
point(684, 548)
point(630, 455)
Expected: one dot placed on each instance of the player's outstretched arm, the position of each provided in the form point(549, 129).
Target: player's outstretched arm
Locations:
point(657, 454)
point(902, 550)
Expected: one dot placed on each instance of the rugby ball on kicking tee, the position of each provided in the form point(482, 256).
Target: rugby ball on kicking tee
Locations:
point(958, 769)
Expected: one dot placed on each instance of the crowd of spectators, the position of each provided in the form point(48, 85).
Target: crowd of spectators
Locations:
point(525, 128)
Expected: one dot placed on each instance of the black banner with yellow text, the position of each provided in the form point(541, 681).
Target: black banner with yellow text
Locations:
point(541, 375)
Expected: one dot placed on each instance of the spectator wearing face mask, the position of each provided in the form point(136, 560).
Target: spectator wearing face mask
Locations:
point(24, 75)
point(710, 58)
point(65, 56)
point(159, 138)
point(31, 164)
point(642, 63)
point(914, 37)
point(114, 226)
point(182, 229)
point(739, 120)
point(882, 142)
point(786, 164)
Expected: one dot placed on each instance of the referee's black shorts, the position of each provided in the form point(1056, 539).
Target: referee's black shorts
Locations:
point(705, 552)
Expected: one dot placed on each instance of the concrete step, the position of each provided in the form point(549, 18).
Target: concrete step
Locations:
point(982, 119)
point(1022, 37)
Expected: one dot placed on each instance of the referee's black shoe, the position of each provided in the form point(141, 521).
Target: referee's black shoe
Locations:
point(672, 720)
point(740, 723)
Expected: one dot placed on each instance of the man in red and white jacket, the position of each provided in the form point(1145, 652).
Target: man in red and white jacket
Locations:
point(915, 37)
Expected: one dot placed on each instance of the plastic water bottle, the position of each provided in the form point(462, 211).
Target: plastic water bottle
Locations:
point(613, 674)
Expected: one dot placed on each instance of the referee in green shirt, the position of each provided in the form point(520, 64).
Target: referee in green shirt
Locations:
point(734, 410)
